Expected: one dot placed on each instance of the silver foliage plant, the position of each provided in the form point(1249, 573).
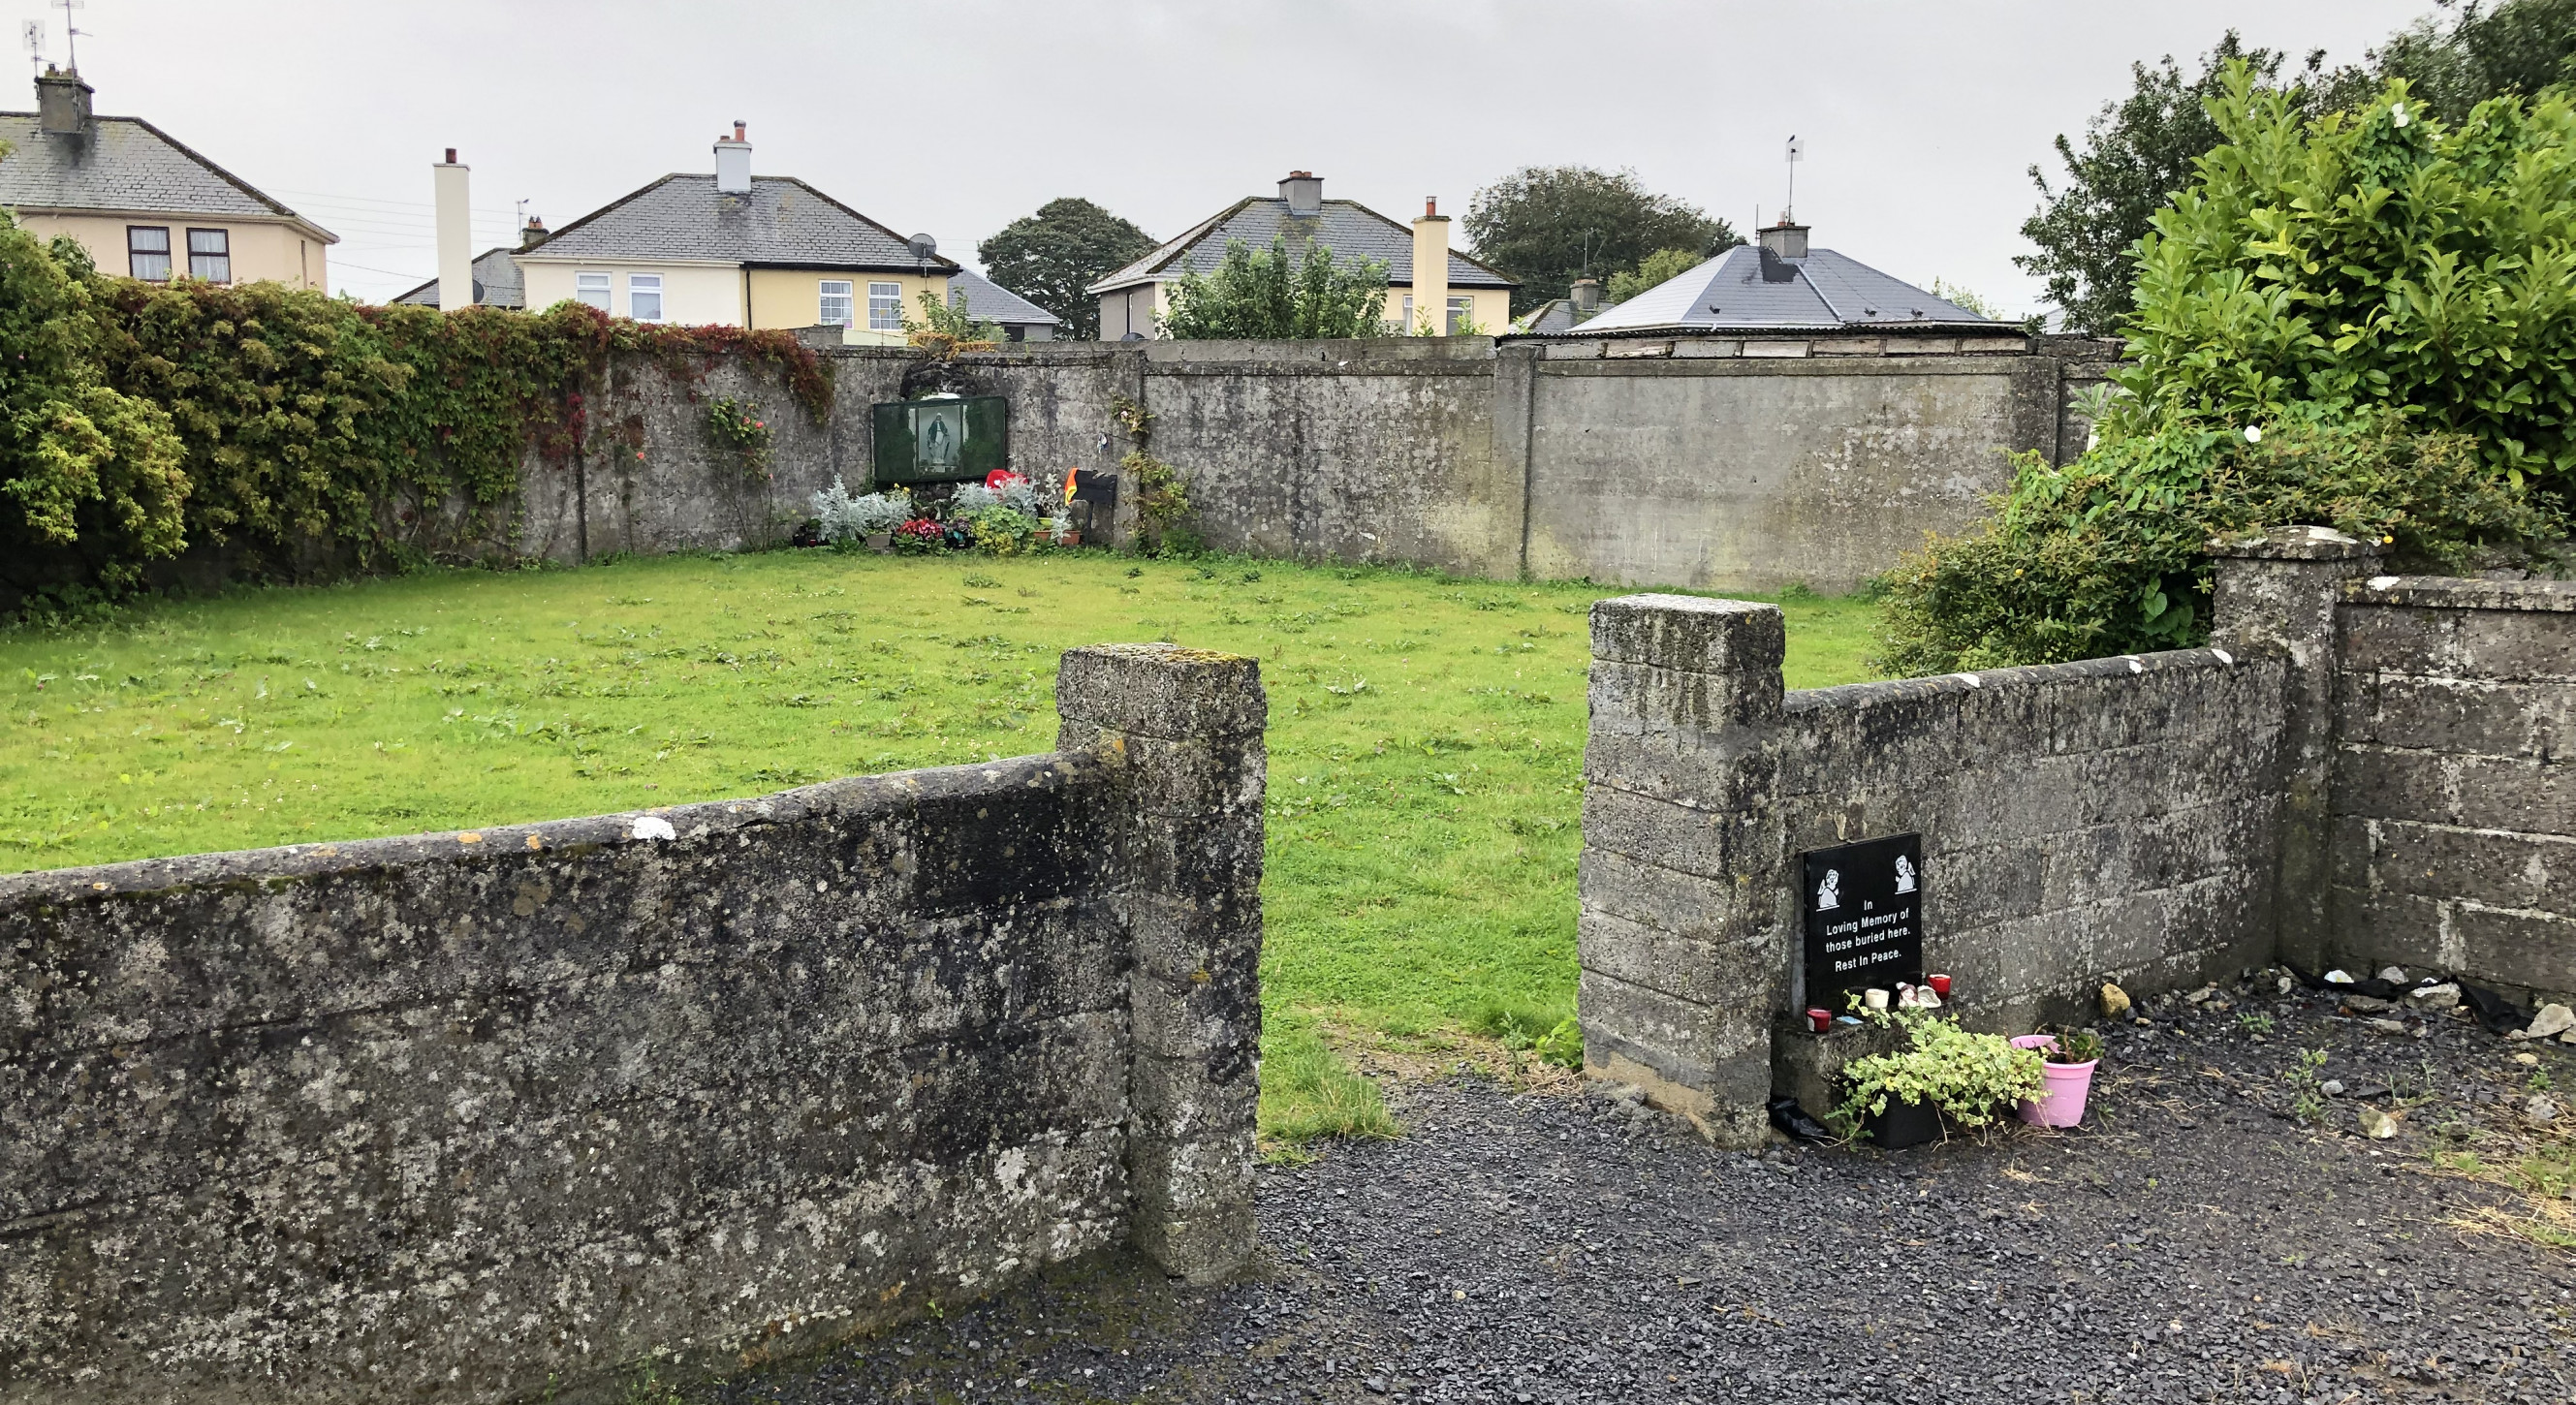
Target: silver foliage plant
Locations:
point(848, 518)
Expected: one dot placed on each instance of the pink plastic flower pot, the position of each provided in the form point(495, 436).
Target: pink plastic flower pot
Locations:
point(2067, 1086)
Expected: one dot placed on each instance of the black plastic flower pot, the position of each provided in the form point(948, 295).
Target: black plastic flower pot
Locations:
point(1904, 1124)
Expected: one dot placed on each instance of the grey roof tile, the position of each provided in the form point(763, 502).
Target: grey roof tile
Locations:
point(1348, 228)
point(995, 303)
point(497, 283)
point(122, 163)
point(783, 223)
point(1823, 291)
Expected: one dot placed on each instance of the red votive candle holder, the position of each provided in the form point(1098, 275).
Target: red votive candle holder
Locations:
point(1820, 1020)
point(1940, 986)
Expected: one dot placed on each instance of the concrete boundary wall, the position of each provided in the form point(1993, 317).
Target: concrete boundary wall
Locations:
point(1699, 471)
point(2357, 772)
point(495, 1115)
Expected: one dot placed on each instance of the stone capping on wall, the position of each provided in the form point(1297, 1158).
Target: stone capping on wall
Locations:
point(1980, 682)
point(480, 1114)
point(2458, 593)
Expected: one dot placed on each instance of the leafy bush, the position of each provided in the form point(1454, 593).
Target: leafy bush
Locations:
point(2384, 301)
point(1272, 295)
point(845, 519)
point(2107, 554)
point(739, 429)
point(1969, 1077)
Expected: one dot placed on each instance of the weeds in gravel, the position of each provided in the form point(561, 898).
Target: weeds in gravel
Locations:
point(2309, 1103)
point(1550, 1035)
point(2544, 1176)
point(2254, 1023)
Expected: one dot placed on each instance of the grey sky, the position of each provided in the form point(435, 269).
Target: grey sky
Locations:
point(954, 118)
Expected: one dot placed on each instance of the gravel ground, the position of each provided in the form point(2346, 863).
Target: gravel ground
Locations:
point(2194, 1240)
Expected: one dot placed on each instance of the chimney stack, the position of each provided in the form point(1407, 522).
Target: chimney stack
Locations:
point(534, 234)
point(62, 103)
point(455, 234)
point(1431, 270)
point(733, 163)
point(1785, 240)
point(1587, 297)
point(1304, 192)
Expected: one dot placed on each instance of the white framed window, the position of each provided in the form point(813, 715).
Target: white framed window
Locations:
point(147, 252)
point(838, 303)
point(1462, 315)
point(644, 296)
point(210, 255)
point(885, 307)
point(1406, 321)
point(591, 288)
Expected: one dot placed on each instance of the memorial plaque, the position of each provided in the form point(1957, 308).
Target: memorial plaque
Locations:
point(1864, 909)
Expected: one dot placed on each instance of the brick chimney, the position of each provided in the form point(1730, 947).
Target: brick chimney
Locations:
point(62, 103)
point(1431, 270)
point(1304, 192)
point(534, 234)
point(733, 163)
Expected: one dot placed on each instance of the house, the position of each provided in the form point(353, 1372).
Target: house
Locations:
point(1476, 297)
point(1021, 319)
point(1781, 297)
point(1563, 314)
point(497, 282)
point(734, 249)
point(144, 205)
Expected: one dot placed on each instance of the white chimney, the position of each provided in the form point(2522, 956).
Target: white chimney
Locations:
point(455, 235)
point(733, 163)
point(1304, 192)
point(1431, 271)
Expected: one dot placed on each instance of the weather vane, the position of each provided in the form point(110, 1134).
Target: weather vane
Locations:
point(1797, 152)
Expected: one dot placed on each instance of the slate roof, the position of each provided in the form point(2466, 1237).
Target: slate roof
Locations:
point(995, 303)
point(783, 223)
point(124, 163)
point(1749, 289)
point(1347, 227)
point(497, 283)
point(1553, 316)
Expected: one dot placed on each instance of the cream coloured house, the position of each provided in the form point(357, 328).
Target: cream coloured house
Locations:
point(1468, 296)
point(142, 204)
point(734, 249)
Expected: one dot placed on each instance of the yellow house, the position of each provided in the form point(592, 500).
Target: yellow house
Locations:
point(1471, 296)
point(144, 205)
point(734, 249)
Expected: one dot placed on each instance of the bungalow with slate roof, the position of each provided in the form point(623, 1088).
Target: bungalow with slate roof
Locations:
point(1021, 319)
point(142, 204)
point(1476, 296)
point(1779, 297)
point(731, 249)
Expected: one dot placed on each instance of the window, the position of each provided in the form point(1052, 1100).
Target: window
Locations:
point(644, 296)
point(837, 303)
point(210, 255)
point(885, 307)
point(591, 288)
point(1406, 321)
point(147, 252)
point(1462, 315)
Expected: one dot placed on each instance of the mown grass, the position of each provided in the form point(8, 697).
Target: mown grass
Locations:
point(1425, 742)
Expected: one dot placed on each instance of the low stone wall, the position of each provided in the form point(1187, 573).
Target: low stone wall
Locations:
point(500, 1115)
point(2454, 781)
point(2111, 819)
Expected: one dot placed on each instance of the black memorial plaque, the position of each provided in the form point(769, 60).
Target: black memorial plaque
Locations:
point(1863, 904)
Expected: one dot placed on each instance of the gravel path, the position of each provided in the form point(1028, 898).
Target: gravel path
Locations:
point(2191, 1243)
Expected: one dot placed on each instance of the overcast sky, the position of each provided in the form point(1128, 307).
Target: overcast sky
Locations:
point(954, 118)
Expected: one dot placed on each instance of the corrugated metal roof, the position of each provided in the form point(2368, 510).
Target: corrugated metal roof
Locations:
point(497, 283)
point(995, 303)
point(123, 163)
point(782, 223)
point(1348, 228)
point(1745, 289)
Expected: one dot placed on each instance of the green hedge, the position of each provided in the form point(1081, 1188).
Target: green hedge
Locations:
point(291, 433)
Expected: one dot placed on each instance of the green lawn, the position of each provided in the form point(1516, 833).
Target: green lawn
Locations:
point(1425, 743)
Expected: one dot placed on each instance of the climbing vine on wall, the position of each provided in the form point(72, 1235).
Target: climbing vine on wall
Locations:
point(1162, 499)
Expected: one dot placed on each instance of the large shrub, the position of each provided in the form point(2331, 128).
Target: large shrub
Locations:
point(1273, 294)
point(2382, 299)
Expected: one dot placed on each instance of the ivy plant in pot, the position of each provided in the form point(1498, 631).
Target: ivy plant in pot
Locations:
point(2071, 1055)
point(1944, 1075)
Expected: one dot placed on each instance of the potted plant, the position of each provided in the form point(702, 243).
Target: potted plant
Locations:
point(1945, 1074)
point(2071, 1055)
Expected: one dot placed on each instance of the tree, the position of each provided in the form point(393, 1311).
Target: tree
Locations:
point(1052, 258)
point(2137, 153)
point(1659, 267)
point(1273, 295)
point(2521, 46)
point(1546, 226)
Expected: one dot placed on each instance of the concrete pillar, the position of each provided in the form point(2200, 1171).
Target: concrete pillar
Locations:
point(1431, 271)
point(1182, 731)
point(2278, 592)
point(1681, 937)
point(1515, 416)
